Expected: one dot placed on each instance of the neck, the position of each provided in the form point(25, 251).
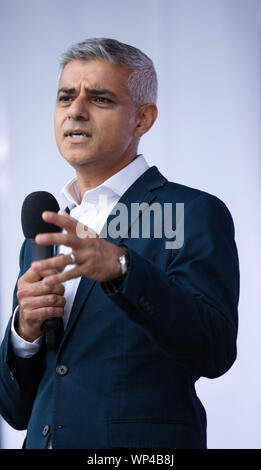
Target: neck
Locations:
point(89, 178)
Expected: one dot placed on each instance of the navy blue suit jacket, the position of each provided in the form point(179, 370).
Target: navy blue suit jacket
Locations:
point(132, 356)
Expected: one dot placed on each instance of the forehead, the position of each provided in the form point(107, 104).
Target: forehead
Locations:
point(95, 73)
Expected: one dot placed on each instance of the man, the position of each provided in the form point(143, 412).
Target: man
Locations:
point(143, 320)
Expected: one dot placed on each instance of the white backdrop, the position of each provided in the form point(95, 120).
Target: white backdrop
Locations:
point(208, 57)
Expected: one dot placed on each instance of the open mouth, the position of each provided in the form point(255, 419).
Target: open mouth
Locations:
point(75, 136)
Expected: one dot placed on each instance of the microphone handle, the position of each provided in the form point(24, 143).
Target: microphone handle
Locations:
point(41, 252)
point(53, 326)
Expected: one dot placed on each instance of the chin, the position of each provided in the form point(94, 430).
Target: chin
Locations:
point(78, 160)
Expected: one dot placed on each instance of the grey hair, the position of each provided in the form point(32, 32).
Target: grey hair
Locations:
point(142, 82)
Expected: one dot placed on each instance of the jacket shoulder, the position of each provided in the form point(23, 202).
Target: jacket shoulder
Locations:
point(180, 193)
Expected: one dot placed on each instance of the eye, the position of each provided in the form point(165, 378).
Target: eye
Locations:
point(102, 100)
point(64, 99)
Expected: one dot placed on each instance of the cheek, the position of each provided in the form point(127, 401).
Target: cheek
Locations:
point(112, 138)
point(117, 129)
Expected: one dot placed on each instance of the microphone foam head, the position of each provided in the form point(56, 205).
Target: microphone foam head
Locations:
point(33, 207)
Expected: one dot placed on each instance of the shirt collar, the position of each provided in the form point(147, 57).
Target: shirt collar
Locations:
point(116, 185)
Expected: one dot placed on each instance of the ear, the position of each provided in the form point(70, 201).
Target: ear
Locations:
point(146, 116)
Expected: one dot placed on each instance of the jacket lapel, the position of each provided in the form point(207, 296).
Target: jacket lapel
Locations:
point(142, 190)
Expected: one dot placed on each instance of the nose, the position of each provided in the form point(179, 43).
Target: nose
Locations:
point(78, 109)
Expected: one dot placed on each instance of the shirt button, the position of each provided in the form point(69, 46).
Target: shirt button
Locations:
point(45, 430)
point(62, 369)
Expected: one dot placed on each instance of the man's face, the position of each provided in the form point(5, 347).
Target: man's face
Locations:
point(94, 115)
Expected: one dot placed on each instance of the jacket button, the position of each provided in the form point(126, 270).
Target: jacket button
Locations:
point(146, 306)
point(62, 369)
point(45, 430)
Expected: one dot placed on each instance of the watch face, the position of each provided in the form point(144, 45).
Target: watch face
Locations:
point(124, 262)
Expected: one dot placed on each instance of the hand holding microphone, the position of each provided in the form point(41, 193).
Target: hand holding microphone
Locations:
point(37, 303)
point(40, 306)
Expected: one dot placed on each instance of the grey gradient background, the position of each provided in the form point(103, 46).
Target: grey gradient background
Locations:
point(208, 57)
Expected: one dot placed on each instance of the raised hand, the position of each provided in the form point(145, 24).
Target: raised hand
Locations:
point(95, 257)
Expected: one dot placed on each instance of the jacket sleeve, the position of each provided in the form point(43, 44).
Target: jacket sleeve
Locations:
point(190, 309)
point(19, 378)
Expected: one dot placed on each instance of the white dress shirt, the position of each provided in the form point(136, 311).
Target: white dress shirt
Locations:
point(92, 211)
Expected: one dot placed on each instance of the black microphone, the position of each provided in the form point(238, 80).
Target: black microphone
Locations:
point(32, 224)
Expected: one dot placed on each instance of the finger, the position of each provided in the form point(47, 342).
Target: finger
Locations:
point(45, 272)
point(65, 214)
point(54, 289)
point(81, 230)
point(62, 277)
point(58, 239)
point(67, 222)
point(41, 314)
point(50, 300)
point(30, 276)
point(38, 289)
point(52, 265)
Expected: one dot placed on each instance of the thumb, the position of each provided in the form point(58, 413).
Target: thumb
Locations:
point(32, 276)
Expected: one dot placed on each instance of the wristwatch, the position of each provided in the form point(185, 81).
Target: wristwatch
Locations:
point(124, 261)
point(115, 284)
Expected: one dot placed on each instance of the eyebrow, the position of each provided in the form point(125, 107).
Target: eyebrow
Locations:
point(92, 91)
